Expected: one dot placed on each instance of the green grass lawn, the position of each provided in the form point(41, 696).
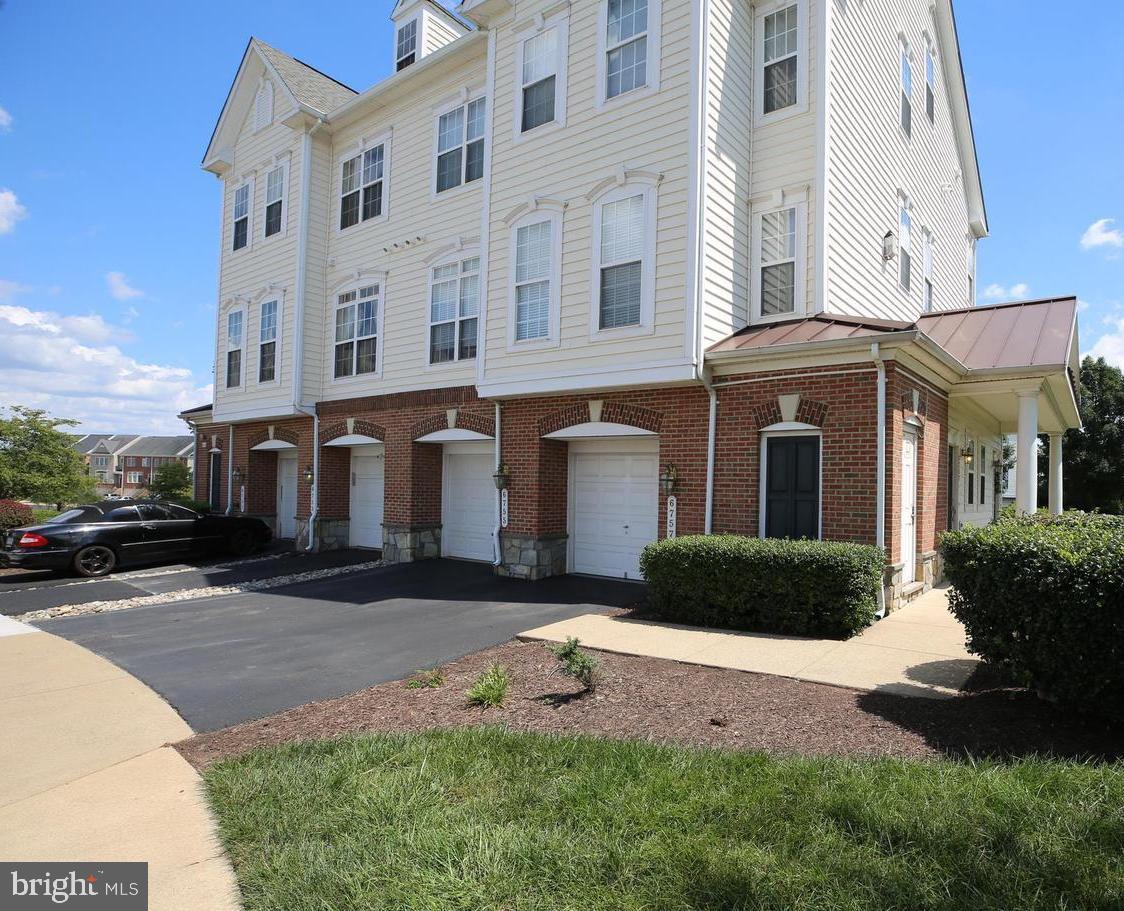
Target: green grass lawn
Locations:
point(481, 819)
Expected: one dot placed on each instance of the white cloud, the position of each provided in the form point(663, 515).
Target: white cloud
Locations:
point(1017, 292)
point(71, 366)
point(120, 288)
point(1102, 234)
point(9, 290)
point(5, 121)
point(1110, 346)
point(11, 211)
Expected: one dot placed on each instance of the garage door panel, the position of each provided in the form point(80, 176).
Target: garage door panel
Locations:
point(468, 505)
point(367, 497)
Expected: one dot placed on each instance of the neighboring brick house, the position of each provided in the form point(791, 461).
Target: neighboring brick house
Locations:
point(100, 452)
point(652, 269)
point(139, 460)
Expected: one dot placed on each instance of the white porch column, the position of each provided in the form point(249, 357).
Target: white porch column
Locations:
point(1026, 466)
point(1056, 474)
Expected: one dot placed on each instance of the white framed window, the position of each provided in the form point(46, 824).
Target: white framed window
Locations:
point(628, 53)
point(101, 461)
point(534, 291)
point(276, 209)
point(460, 145)
point(624, 259)
point(133, 477)
point(242, 213)
point(454, 309)
point(540, 66)
point(781, 53)
point(357, 331)
point(927, 267)
point(905, 244)
point(970, 265)
point(234, 327)
point(267, 341)
point(931, 83)
point(779, 261)
point(406, 45)
point(363, 185)
point(906, 86)
point(263, 106)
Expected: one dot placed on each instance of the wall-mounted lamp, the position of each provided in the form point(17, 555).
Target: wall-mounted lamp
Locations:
point(889, 246)
point(669, 480)
point(309, 476)
point(502, 477)
point(968, 453)
point(203, 444)
point(236, 475)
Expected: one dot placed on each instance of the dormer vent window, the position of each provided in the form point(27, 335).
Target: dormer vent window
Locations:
point(407, 48)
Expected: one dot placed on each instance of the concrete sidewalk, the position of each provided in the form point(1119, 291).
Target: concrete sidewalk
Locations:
point(85, 773)
point(916, 651)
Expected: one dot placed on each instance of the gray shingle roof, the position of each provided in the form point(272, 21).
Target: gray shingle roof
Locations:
point(88, 442)
point(308, 85)
point(159, 446)
point(110, 442)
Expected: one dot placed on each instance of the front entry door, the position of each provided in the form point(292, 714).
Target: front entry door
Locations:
point(216, 479)
point(792, 487)
point(909, 508)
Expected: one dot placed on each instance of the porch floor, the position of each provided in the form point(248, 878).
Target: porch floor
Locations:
point(915, 651)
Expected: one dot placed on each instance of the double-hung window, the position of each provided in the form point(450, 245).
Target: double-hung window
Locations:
point(361, 187)
point(267, 343)
point(234, 349)
point(905, 245)
point(357, 330)
point(275, 200)
point(540, 64)
point(454, 305)
point(133, 477)
point(931, 83)
point(406, 45)
point(927, 267)
point(534, 250)
point(907, 92)
point(243, 197)
point(778, 236)
point(623, 224)
point(781, 59)
point(626, 46)
point(460, 145)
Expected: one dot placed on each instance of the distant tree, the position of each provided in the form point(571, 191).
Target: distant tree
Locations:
point(171, 481)
point(1093, 457)
point(38, 461)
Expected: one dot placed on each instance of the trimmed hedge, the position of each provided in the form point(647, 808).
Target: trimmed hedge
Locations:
point(801, 588)
point(1044, 600)
point(14, 514)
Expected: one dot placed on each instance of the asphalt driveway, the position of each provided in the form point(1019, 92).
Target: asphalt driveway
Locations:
point(227, 659)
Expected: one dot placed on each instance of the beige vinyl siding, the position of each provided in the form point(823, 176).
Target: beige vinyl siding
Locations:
point(316, 343)
point(245, 275)
point(729, 123)
point(870, 159)
point(437, 33)
point(648, 132)
point(391, 244)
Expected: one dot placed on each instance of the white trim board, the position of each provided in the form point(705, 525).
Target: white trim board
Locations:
point(452, 435)
point(596, 430)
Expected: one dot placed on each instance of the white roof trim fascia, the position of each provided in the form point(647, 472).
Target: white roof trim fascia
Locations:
point(594, 429)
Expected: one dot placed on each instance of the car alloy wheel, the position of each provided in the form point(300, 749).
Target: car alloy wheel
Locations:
point(95, 560)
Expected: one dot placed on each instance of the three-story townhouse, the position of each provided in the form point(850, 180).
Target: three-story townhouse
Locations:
point(582, 274)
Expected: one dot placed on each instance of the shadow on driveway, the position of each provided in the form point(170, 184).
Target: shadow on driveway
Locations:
point(223, 660)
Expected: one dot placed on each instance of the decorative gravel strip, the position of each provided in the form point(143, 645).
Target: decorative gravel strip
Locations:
point(191, 594)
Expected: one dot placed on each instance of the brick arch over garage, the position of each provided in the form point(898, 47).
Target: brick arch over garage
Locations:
point(611, 413)
point(340, 429)
point(462, 420)
point(285, 434)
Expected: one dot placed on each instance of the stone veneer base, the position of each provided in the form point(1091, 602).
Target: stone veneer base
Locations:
point(407, 543)
point(529, 557)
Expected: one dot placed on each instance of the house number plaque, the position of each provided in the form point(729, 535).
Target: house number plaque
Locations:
point(503, 508)
point(671, 510)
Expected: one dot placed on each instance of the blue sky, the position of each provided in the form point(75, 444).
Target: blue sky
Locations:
point(109, 230)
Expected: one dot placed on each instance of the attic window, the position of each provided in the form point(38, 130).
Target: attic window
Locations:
point(407, 44)
point(263, 106)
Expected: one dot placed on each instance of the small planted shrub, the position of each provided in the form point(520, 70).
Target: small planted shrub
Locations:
point(13, 514)
point(573, 662)
point(800, 588)
point(490, 688)
point(1043, 599)
point(426, 680)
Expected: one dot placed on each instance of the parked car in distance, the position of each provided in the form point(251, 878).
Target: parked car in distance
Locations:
point(93, 540)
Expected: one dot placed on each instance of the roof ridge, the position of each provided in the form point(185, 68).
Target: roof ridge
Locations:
point(1004, 305)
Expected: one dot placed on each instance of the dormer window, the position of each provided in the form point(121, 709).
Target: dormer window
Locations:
point(407, 48)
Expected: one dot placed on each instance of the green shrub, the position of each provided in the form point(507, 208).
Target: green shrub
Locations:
point(575, 663)
point(14, 514)
point(490, 688)
point(1044, 599)
point(39, 516)
point(801, 588)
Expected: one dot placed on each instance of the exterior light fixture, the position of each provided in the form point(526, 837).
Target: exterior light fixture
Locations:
point(968, 453)
point(502, 477)
point(889, 246)
point(203, 444)
point(669, 480)
point(309, 476)
point(236, 475)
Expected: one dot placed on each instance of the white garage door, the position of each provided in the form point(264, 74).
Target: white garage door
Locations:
point(614, 504)
point(366, 496)
point(287, 496)
point(468, 501)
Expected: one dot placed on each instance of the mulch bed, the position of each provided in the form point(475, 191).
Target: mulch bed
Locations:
point(651, 698)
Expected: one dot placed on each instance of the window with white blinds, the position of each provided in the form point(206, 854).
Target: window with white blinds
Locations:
point(534, 244)
point(622, 253)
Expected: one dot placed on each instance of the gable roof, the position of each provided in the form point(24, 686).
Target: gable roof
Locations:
point(112, 442)
point(159, 446)
point(306, 88)
point(89, 441)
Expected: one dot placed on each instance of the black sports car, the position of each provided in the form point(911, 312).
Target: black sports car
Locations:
point(92, 540)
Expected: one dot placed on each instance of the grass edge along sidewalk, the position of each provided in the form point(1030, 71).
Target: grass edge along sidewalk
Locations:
point(482, 819)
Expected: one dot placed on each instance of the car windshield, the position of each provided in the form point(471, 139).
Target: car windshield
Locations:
point(74, 515)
